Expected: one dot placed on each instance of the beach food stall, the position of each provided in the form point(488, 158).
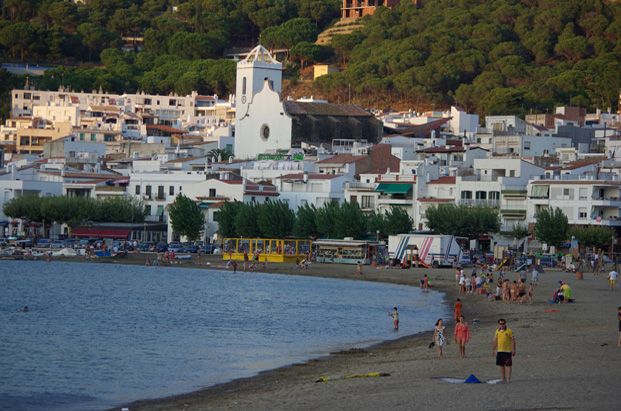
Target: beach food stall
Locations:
point(277, 250)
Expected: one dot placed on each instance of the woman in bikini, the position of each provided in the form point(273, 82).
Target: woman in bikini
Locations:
point(462, 335)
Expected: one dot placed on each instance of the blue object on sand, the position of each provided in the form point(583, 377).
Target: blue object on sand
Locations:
point(472, 380)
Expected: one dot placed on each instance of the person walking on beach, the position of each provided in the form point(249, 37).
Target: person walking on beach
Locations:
point(504, 349)
point(612, 279)
point(462, 335)
point(535, 275)
point(438, 338)
point(458, 307)
point(395, 318)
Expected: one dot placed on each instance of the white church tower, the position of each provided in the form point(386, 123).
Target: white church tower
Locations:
point(261, 125)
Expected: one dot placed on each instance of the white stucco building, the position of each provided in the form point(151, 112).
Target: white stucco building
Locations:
point(261, 125)
point(267, 123)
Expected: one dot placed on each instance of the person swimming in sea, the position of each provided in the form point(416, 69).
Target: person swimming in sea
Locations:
point(24, 309)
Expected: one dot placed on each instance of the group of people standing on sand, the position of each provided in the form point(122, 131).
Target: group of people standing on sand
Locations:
point(461, 332)
point(517, 291)
point(503, 346)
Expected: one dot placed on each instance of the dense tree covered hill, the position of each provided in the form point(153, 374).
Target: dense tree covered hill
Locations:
point(489, 56)
point(60, 30)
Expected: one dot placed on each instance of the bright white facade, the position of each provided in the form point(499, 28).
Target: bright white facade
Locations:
point(462, 123)
point(14, 183)
point(583, 201)
point(300, 189)
point(261, 123)
point(529, 146)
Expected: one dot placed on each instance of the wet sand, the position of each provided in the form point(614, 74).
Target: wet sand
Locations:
point(567, 357)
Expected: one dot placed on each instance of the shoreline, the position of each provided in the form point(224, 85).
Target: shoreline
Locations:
point(316, 270)
point(567, 356)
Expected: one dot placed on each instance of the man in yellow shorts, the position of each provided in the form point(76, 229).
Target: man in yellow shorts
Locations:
point(504, 349)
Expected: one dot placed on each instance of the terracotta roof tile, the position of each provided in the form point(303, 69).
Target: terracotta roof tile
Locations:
point(437, 150)
point(341, 159)
point(444, 180)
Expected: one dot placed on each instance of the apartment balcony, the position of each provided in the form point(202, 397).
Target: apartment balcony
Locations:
point(606, 201)
point(513, 213)
point(514, 193)
point(397, 178)
point(394, 201)
point(480, 202)
point(609, 222)
point(358, 186)
point(160, 197)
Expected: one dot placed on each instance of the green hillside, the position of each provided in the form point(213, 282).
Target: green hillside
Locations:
point(495, 56)
point(492, 57)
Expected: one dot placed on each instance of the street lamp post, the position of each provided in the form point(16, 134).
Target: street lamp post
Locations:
point(377, 235)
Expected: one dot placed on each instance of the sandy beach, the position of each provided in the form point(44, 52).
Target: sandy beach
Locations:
point(567, 357)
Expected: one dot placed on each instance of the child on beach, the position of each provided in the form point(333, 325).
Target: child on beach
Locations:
point(438, 338)
point(462, 335)
point(612, 279)
point(530, 293)
point(395, 318)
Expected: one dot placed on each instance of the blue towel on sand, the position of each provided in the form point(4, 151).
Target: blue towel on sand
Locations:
point(472, 380)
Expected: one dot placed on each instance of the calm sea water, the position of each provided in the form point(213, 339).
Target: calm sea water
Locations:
point(99, 335)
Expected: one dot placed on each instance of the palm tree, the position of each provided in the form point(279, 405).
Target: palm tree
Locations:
point(218, 154)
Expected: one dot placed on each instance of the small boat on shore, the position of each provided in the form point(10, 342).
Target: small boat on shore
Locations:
point(183, 257)
point(65, 252)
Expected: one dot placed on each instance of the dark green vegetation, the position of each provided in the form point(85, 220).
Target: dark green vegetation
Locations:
point(551, 226)
point(489, 56)
point(593, 236)
point(75, 211)
point(274, 219)
point(462, 220)
point(186, 217)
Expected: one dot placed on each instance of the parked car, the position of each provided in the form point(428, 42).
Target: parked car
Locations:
point(175, 246)
point(161, 247)
point(71, 242)
point(144, 246)
point(465, 260)
point(57, 244)
point(43, 243)
point(189, 248)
